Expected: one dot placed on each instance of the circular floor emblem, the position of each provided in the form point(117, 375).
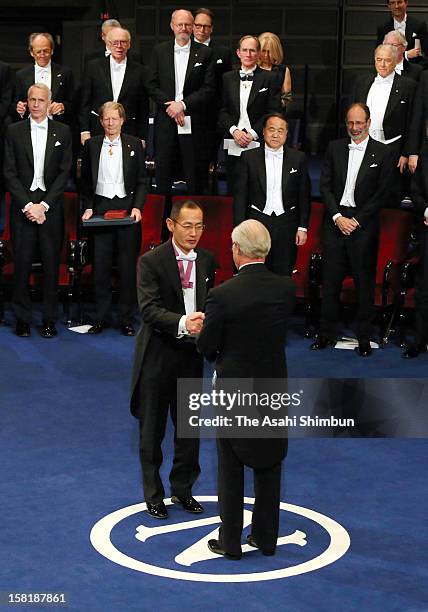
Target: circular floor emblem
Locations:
point(198, 551)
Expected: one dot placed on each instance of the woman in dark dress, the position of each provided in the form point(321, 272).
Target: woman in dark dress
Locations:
point(271, 58)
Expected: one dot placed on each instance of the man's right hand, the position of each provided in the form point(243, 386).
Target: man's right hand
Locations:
point(21, 107)
point(87, 214)
point(194, 322)
point(84, 136)
point(346, 226)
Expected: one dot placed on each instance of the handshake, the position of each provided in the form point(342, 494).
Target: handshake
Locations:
point(194, 322)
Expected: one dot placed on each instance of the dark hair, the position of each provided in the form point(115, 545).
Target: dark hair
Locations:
point(179, 205)
point(277, 116)
point(361, 105)
point(204, 11)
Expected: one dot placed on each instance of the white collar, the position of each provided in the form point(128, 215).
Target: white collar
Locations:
point(47, 67)
point(248, 70)
point(117, 65)
point(362, 144)
point(400, 22)
point(114, 141)
point(279, 151)
point(185, 47)
point(386, 80)
point(206, 43)
point(42, 124)
point(180, 252)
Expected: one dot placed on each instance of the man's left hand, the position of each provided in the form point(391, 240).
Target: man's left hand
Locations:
point(402, 163)
point(136, 213)
point(174, 108)
point(56, 108)
point(301, 237)
point(36, 213)
point(413, 163)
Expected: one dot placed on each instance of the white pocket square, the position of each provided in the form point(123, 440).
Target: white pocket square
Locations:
point(219, 61)
point(262, 89)
point(414, 35)
point(402, 101)
point(373, 166)
point(57, 144)
point(293, 170)
point(207, 279)
point(197, 64)
point(132, 153)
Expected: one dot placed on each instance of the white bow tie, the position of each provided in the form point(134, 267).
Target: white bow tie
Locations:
point(355, 147)
point(191, 256)
point(277, 154)
point(179, 49)
point(107, 143)
point(41, 70)
point(39, 126)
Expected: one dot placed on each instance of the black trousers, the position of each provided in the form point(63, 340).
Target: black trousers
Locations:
point(174, 151)
point(166, 360)
point(267, 489)
point(28, 239)
point(120, 244)
point(356, 253)
point(282, 230)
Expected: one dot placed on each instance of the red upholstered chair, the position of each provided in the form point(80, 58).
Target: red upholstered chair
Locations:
point(394, 238)
point(301, 277)
point(218, 219)
point(67, 268)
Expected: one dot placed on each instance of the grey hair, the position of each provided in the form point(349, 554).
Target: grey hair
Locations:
point(397, 34)
point(390, 48)
point(45, 35)
point(110, 23)
point(252, 238)
point(41, 86)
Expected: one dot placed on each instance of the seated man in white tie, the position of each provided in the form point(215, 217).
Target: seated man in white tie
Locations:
point(59, 79)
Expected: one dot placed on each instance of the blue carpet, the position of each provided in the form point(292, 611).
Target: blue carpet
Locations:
point(68, 450)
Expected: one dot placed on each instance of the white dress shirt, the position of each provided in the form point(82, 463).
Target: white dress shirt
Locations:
point(43, 75)
point(117, 73)
point(189, 295)
point(355, 158)
point(39, 136)
point(399, 68)
point(377, 101)
point(273, 162)
point(110, 181)
point(181, 59)
point(244, 94)
point(400, 26)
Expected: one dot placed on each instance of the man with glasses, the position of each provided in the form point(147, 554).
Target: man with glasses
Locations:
point(403, 66)
point(59, 79)
point(181, 83)
point(354, 186)
point(173, 281)
point(115, 78)
point(202, 33)
point(414, 31)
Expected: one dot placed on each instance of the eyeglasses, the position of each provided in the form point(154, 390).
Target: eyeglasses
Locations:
point(357, 124)
point(119, 43)
point(200, 26)
point(188, 227)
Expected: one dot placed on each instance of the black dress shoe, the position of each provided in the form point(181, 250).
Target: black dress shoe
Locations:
point(97, 328)
point(321, 342)
point(414, 350)
point(48, 330)
point(364, 349)
point(214, 546)
point(251, 542)
point(189, 504)
point(158, 511)
point(127, 329)
point(22, 329)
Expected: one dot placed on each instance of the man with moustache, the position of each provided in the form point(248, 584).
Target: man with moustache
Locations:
point(354, 185)
point(273, 186)
point(173, 281)
point(248, 95)
point(114, 178)
point(115, 78)
point(59, 79)
point(36, 169)
point(181, 83)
